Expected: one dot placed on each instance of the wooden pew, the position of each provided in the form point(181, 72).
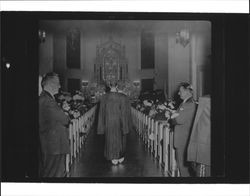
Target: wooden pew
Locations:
point(161, 146)
point(78, 130)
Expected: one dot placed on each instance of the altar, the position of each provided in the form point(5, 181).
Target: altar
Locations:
point(111, 65)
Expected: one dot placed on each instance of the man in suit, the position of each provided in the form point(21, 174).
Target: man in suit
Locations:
point(182, 121)
point(199, 148)
point(53, 129)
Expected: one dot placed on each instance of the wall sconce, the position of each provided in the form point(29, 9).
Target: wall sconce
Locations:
point(183, 37)
point(5, 62)
point(137, 83)
point(41, 36)
point(85, 83)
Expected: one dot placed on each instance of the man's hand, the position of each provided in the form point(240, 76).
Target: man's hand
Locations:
point(174, 115)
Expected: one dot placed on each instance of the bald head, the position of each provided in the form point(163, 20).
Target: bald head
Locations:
point(51, 83)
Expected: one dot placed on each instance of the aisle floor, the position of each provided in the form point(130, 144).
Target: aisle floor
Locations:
point(138, 161)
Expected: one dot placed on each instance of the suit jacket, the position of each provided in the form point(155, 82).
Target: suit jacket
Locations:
point(183, 123)
point(53, 125)
point(199, 146)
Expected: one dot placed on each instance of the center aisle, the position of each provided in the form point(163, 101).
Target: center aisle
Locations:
point(138, 161)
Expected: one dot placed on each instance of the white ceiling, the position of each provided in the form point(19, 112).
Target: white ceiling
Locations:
point(124, 26)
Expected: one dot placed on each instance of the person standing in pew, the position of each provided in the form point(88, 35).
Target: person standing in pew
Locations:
point(182, 120)
point(115, 122)
point(199, 148)
point(53, 129)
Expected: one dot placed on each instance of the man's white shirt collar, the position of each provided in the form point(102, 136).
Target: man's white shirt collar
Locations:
point(186, 99)
point(50, 94)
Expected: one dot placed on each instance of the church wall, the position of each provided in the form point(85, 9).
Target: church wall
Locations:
point(59, 65)
point(203, 61)
point(161, 60)
point(173, 62)
point(191, 63)
point(87, 55)
point(178, 64)
point(132, 44)
point(46, 55)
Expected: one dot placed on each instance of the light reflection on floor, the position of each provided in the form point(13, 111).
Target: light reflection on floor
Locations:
point(138, 161)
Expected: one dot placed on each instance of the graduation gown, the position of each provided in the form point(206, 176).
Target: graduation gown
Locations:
point(115, 122)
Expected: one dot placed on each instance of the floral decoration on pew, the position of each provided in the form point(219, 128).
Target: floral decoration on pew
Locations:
point(74, 105)
point(157, 110)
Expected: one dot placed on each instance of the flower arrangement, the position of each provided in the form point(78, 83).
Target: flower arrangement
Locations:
point(164, 111)
point(73, 106)
point(156, 109)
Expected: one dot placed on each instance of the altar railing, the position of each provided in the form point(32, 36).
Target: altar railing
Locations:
point(78, 132)
point(158, 138)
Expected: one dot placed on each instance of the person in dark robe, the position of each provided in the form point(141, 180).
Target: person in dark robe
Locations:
point(182, 121)
point(115, 122)
point(53, 130)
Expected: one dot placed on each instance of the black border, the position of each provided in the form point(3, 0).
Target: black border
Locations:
point(230, 98)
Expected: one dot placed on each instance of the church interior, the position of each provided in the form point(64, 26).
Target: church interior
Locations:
point(151, 52)
point(143, 56)
point(148, 58)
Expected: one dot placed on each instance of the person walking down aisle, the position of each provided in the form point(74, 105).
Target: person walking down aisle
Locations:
point(53, 131)
point(115, 122)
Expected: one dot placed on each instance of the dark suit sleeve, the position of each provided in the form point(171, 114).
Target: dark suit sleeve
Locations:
point(52, 127)
point(185, 114)
point(56, 113)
